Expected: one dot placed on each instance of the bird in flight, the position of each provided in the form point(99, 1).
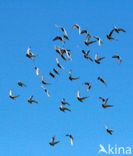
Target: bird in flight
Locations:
point(118, 29)
point(102, 80)
point(37, 70)
point(59, 38)
point(71, 137)
point(70, 76)
point(46, 90)
point(63, 101)
point(109, 36)
point(99, 40)
point(29, 54)
point(51, 74)
point(58, 63)
point(108, 130)
point(45, 83)
point(63, 109)
point(53, 142)
point(81, 98)
point(21, 84)
point(30, 100)
point(55, 70)
point(118, 57)
point(11, 95)
point(63, 29)
point(88, 84)
point(76, 26)
point(97, 60)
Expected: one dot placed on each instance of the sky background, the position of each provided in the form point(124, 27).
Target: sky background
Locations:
point(27, 129)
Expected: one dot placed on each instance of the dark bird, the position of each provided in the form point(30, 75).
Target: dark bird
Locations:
point(45, 83)
point(76, 26)
point(52, 143)
point(97, 60)
point(29, 54)
point(64, 102)
point(118, 57)
point(89, 42)
point(102, 80)
point(21, 84)
point(11, 95)
point(108, 130)
point(30, 100)
point(88, 84)
point(118, 29)
point(65, 33)
point(109, 36)
point(99, 40)
point(71, 137)
point(70, 76)
point(104, 100)
point(51, 74)
point(58, 63)
point(79, 97)
point(63, 109)
point(105, 105)
point(46, 90)
point(55, 70)
point(59, 38)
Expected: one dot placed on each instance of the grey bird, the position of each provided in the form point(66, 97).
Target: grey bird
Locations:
point(59, 38)
point(46, 90)
point(53, 142)
point(63, 109)
point(118, 29)
point(51, 74)
point(64, 102)
point(99, 40)
point(58, 63)
point(70, 76)
point(30, 100)
point(45, 83)
point(97, 60)
point(88, 84)
point(12, 96)
point(81, 98)
point(71, 137)
point(118, 57)
point(21, 84)
point(108, 130)
point(55, 70)
point(102, 80)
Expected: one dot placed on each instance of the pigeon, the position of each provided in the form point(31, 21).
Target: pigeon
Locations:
point(118, 29)
point(88, 84)
point(55, 70)
point(30, 100)
point(76, 26)
point(104, 100)
point(97, 60)
point(11, 96)
point(70, 76)
point(65, 33)
point(58, 64)
point(71, 137)
point(59, 38)
point(45, 83)
point(109, 36)
point(51, 74)
point(37, 70)
point(29, 54)
point(99, 40)
point(46, 91)
point(118, 57)
point(52, 143)
point(64, 102)
point(102, 80)
point(64, 108)
point(81, 98)
point(108, 130)
point(21, 84)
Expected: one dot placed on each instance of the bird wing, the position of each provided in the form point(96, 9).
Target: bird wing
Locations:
point(70, 72)
point(96, 56)
point(96, 37)
point(78, 93)
point(106, 126)
point(111, 32)
point(120, 29)
point(100, 59)
point(10, 93)
point(57, 60)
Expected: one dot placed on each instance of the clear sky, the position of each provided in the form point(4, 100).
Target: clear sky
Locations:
point(25, 129)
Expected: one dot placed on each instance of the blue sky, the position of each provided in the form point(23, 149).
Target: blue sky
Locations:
point(27, 129)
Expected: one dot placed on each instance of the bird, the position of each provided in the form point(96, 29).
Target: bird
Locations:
point(11, 95)
point(58, 63)
point(71, 137)
point(118, 57)
point(102, 80)
point(52, 143)
point(21, 84)
point(55, 70)
point(65, 33)
point(99, 40)
point(45, 83)
point(29, 54)
point(64, 102)
point(88, 84)
point(51, 74)
point(103, 99)
point(68, 54)
point(108, 130)
point(63, 109)
point(37, 70)
point(70, 76)
point(79, 97)
point(97, 60)
point(118, 29)
point(30, 100)
point(59, 38)
point(76, 26)
point(109, 36)
point(46, 90)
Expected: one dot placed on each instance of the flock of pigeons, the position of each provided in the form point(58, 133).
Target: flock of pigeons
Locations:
point(66, 54)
